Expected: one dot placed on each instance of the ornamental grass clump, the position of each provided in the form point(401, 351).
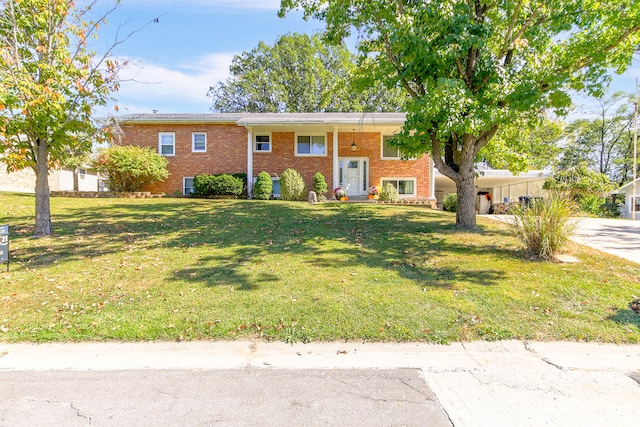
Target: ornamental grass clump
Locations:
point(544, 226)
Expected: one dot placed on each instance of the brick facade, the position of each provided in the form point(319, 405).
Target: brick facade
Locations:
point(227, 150)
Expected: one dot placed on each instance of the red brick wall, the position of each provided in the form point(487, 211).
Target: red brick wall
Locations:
point(227, 153)
point(283, 157)
point(226, 150)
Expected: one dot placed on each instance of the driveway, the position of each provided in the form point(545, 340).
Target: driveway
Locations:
point(619, 237)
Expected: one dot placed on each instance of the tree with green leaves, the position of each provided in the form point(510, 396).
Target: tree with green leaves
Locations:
point(472, 67)
point(50, 82)
point(300, 73)
point(605, 142)
point(519, 148)
point(579, 181)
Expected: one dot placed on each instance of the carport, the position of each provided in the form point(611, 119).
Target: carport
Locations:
point(501, 185)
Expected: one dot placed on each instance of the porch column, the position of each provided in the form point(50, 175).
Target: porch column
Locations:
point(336, 163)
point(249, 161)
point(432, 179)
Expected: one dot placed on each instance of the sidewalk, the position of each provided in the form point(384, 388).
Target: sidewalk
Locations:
point(506, 383)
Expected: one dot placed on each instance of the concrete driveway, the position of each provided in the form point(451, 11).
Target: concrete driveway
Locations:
point(620, 237)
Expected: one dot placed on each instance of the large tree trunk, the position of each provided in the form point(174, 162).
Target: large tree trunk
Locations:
point(43, 208)
point(466, 212)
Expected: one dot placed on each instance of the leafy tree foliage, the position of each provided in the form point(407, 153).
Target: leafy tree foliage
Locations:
point(131, 168)
point(578, 181)
point(605, 142)
point(49, 84)
point(472, 67)
point(299, 73)
point(519, 147)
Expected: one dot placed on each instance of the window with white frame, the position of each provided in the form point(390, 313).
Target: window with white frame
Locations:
point(311, 145)
point(82, 173)
point(167, 143)
point(389, 151)
point(187, 185)
point(199, 142)
point(262, 143)
point(405, 186)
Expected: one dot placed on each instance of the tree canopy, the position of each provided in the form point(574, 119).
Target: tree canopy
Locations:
point(472, 67)
point(50, 82)
point(300, 73)
point(604, 142)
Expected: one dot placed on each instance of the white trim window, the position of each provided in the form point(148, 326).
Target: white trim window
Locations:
point(167, 143)
point(82, 173)
point(311, 145)
point(199, 142)
point(187, 185)
point(390, 152)
point(262, 143)
point(405, 186)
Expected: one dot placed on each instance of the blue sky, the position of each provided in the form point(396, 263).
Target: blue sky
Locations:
point(174, 61)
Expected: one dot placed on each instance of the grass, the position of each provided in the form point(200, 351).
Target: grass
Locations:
point(181, 269)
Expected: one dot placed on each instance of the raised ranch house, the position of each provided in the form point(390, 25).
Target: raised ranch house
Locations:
point(349, 149)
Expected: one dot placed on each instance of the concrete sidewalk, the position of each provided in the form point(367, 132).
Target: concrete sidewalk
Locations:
point(508, 383)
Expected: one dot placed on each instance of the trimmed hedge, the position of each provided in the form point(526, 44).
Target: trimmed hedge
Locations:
point(217, 185)
point(264, 186)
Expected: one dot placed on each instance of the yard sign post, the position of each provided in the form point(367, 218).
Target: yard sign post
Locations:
point(4, 244)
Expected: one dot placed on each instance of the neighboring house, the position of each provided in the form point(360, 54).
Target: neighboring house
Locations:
point(501, 185)
point(24, 181)
point(627, 190)
point(349, 149)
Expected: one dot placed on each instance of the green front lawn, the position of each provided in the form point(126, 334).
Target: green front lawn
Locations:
point(167, 269)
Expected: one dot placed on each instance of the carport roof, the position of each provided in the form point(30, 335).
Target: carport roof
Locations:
point(491, 178)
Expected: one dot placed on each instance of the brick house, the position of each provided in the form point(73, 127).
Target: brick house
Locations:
point(349, 149)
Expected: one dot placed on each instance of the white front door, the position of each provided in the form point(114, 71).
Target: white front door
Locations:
point(353, 175)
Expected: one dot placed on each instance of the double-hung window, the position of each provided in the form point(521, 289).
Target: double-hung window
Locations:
point(199, 142)
point(167, 143)
point(311, 145)
point(262, 143)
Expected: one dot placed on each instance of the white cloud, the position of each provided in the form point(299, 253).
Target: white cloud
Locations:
point(148, 86)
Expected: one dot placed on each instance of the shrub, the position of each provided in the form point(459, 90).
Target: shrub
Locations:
point(545, 226)
point(389, 193)
point(292, 185)
point(216, 185)
point(319, 184)
point(591, 203)
point(450, 202)
point(131, 168)
point(264, 186)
